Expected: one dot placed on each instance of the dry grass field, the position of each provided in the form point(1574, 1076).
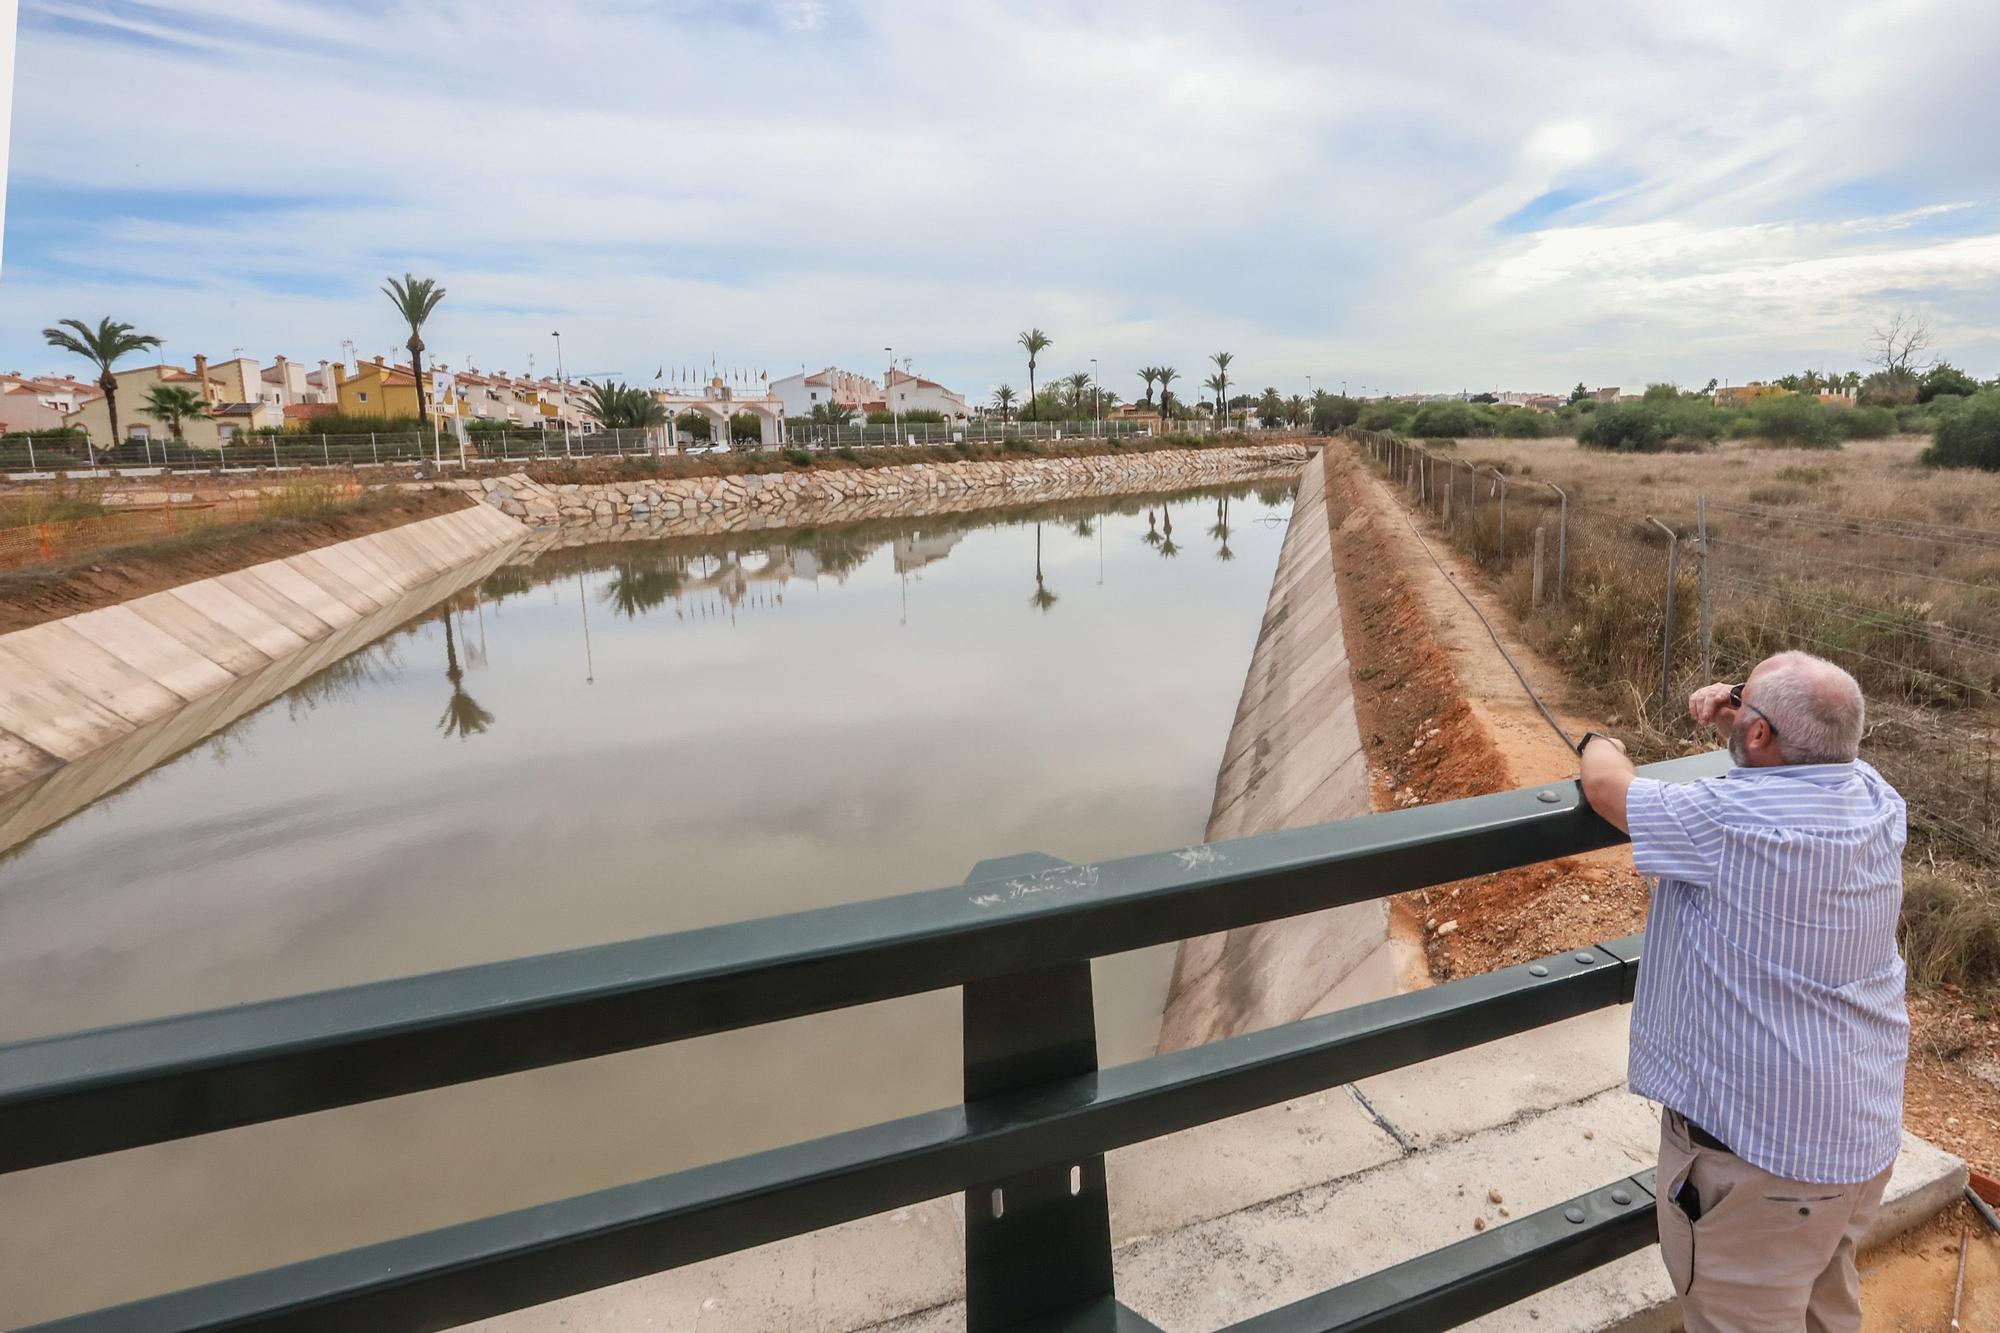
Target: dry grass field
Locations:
point(1859, 554)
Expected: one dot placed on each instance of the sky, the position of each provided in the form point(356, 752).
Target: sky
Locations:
point(1434, 195)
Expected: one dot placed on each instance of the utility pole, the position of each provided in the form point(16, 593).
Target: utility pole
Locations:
point(1096, 399)
point(562, 390)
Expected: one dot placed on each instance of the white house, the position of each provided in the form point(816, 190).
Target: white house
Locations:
point(801, 393)
point(904, 392)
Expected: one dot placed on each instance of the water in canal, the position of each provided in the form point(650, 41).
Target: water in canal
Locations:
point(612, 741)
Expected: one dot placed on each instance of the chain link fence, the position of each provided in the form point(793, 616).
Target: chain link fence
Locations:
point(1649, 606)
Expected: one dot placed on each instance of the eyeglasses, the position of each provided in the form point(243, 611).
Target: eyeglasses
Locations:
point(1736, 698)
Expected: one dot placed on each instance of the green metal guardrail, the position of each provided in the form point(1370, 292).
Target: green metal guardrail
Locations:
point(1026, 1146)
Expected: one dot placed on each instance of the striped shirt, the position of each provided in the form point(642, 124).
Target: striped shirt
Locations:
point(1770, 1007)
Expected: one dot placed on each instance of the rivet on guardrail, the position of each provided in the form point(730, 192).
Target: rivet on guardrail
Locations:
point(1547, 797)
point(1573, 1214)
point(1621, 1197)
point(1538, 970)
point(1586, 958)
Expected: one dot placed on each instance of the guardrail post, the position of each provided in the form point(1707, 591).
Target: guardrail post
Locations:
point(1039, 1241)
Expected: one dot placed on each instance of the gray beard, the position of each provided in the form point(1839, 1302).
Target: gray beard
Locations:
point(1738, 751)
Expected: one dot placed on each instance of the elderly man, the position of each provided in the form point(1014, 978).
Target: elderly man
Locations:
point(1769, 1022)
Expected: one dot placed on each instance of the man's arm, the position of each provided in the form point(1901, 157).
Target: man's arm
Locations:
point(1607, 777)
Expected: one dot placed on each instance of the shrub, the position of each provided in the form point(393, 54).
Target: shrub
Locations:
point(1950, 931)
point(1386, 416)
point(746, 428)
point(1794, 420)
point(920, 417)
point(1943, 378)
point(1441, 442)
point(1810, 475)
point(302, 498)
point(1865, 423)
point(846, 451)
point(802, 457)
point(695, 424)
point(1655, 427)
point(1520, 423)
point(1969, 437)
point(1447, 419)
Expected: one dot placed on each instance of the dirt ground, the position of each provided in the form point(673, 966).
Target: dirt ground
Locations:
point(1443, 716)
point(107, 577)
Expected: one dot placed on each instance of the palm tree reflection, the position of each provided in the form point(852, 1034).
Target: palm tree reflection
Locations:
point(644, 581)
point(1041, 599)
point(1221, 530)
point(1168, 547)
point(463, 716)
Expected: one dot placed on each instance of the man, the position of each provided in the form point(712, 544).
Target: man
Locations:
point(1769, 1022)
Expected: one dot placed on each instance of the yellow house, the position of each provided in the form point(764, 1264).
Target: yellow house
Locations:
point(377, 389)
point(221, 388)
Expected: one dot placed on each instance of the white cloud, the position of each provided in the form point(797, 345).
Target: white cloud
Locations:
point(802, 181)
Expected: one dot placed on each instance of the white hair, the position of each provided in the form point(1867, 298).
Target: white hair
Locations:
point(1815, 708)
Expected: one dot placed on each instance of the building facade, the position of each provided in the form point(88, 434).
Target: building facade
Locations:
point(801, 393)
point(905, 392)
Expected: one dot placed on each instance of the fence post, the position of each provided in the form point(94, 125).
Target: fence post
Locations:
point(1562, 536)
point(274, 452)
point(1667, 634)
point(1472, 510)
point(1449, 487)
point(1501, 479)
point(31, 455)
point(1535, 596)
point(373, 456)
point(325, 452)
point(1701, 539)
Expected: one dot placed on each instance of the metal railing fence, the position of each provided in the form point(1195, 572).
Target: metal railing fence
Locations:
point(297, 449)
point(1026, 1147)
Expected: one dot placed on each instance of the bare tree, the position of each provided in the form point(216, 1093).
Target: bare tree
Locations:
point(1897, 347)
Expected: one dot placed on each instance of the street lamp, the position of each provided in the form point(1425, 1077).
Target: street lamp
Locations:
point(1096, 399)
point(562, 390)
point(895, 413)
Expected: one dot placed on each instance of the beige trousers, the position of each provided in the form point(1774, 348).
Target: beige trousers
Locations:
point(1768, 1255)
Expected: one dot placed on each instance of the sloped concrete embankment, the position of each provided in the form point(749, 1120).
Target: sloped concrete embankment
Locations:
point(1294, 758)
point(164, 670)
point(668, 507)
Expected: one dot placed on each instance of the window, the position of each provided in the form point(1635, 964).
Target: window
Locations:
point(364, 397)
point(140, 433)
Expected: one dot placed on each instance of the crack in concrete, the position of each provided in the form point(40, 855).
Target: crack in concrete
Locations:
point(1361, 1099)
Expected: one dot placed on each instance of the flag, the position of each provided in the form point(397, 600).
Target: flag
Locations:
point(661, 371)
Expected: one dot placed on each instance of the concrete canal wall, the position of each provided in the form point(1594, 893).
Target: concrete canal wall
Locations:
point(1293, 758)
point(194, 654)
point(681, 506)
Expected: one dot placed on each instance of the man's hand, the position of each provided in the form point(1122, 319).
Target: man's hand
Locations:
point(1709, 706)
point(1607, 774)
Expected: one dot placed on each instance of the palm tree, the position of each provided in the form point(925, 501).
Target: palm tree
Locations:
point(1003, 399)
point(1167, 376)
point(1041, 599)
point(1149, 374)
point(1295, 410)
point(463, 716)
point(1218, 385)
point(172, 404)
point(1222, 360)
point(102, 345)
point(415, 298)
point(1036, 343)
point(1079, 389)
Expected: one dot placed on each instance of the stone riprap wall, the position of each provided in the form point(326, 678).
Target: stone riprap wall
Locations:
point(702, 505)
point(1293, 758)
point(72, 687)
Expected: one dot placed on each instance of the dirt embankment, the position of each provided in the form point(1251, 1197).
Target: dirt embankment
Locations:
point(1443, 716)
point(107, 577)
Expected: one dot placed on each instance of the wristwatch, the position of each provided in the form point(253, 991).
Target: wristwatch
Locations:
point(1587, 738)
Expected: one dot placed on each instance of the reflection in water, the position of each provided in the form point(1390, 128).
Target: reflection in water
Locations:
point(634, 738)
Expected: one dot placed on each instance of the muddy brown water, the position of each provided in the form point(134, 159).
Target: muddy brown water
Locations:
point(616, 741)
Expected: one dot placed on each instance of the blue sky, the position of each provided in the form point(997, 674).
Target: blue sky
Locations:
point(1418, 196)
